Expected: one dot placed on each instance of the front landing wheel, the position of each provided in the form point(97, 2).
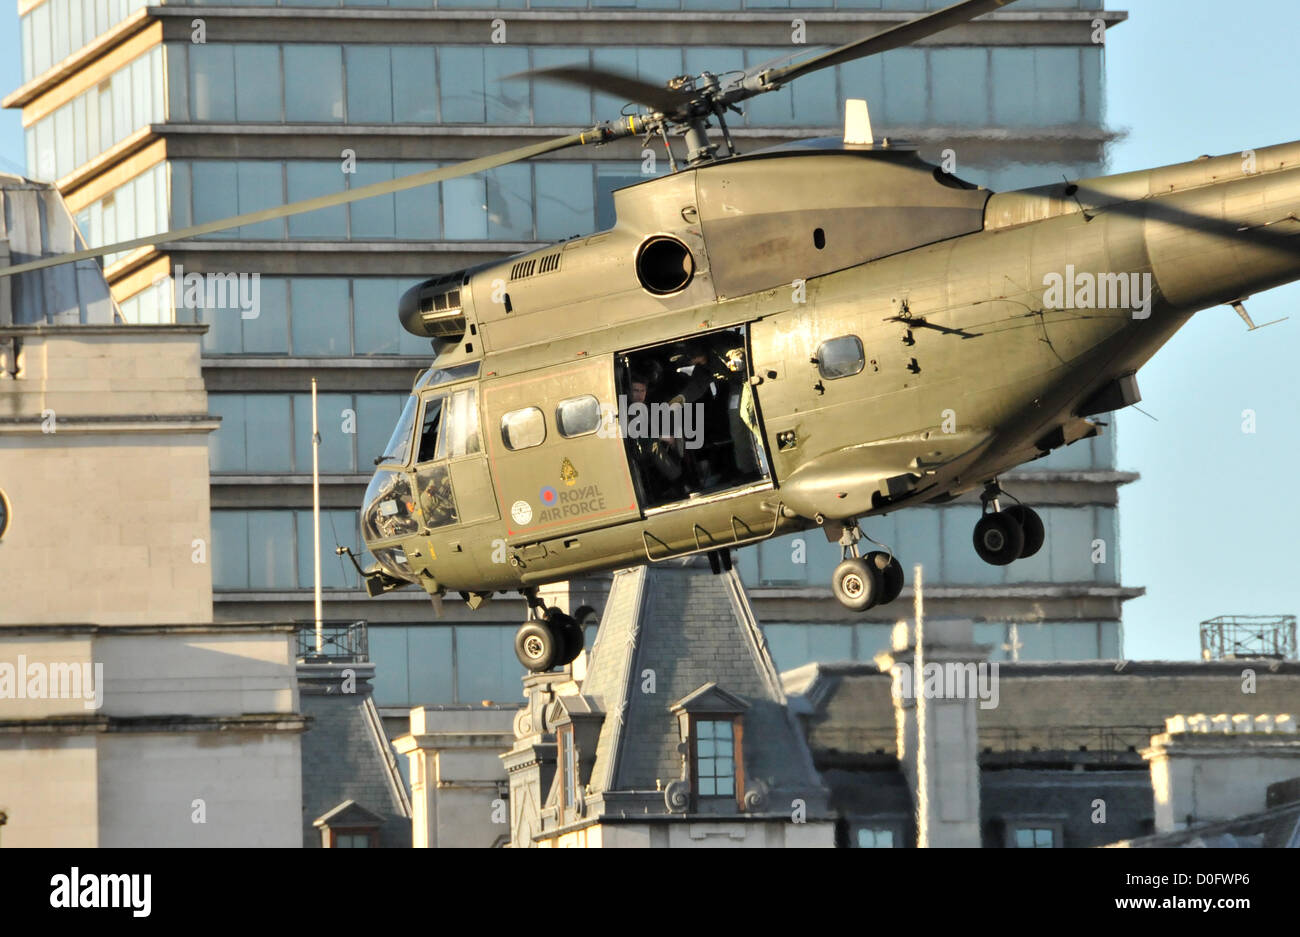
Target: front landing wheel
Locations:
point(538, 646)
point(856, 584)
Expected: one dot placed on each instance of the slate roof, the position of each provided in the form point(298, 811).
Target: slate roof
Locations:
point(688, 629)
point(347, 757)
point(1278, 828)
point(36, 223)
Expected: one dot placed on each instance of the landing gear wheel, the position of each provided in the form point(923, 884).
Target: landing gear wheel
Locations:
point(998, 539)
point(1032, 525)
point(890, 573)
point(569, 632)
point(857, 584)
point(538, 646)
point(891, 578)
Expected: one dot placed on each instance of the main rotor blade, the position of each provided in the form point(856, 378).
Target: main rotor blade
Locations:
point(412, 181)
point(655, 97)
point(901, 35)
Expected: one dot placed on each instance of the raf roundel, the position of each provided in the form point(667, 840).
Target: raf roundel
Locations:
point(547, 495)
point(522, 512)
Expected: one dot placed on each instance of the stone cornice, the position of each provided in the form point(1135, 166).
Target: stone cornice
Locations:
point(170, 724)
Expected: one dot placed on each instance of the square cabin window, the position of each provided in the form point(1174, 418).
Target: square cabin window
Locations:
point(840, 357)
point(523, 429)
point(578, 416)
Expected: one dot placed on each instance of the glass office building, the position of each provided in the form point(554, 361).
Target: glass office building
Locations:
point(156, 117)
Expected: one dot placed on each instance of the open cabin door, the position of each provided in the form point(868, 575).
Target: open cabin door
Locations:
point(557, 459)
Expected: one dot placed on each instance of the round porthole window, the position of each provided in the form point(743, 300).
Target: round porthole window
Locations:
point(664, 265)
point(4, 513)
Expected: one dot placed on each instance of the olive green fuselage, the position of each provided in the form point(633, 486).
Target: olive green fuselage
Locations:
point(983, 349)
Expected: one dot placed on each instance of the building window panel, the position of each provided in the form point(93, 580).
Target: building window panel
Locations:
point(486, 668)
point(335, 414)
point(212, 81)
point(371, 83)
point(321, 316)
point(226, 446)
point(565, 200)
point(178, 81)
point(377, 414)
point(308, 179)
point(271, 551)
point(415, 85)
point(391, 657)
point(460, 78)
point(507, 101)
point(961, 564)
point(375, 330)
point(257, 82)
point(42, 33)
point(336, 528)
point(960, 87)
point(510, 203)
point(816, 101)
point(431, 666)
point(560, 105)
point(212, 182)
point(268, 439)
point(906, 88)
point(313, 83)
point(465, 208)
point(229, 549)
point(268, 332)
point(260, 185)
point(373, 217)
point(418, 211)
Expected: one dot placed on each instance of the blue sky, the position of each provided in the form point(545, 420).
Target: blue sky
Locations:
point(1208, 528)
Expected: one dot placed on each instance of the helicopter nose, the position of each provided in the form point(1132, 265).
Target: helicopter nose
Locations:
point(1234, 236)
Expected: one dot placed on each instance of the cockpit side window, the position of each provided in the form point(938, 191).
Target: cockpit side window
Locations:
point(460, 429)
point(430, 428)
point(399, 444)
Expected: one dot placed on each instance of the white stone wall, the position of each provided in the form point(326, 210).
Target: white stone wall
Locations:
point(105, 516)
point(48, 789)
point(246, 787)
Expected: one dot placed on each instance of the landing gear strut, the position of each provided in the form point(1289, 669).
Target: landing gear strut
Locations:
point(549, 638)
point(863, 582)
point(1004, 536)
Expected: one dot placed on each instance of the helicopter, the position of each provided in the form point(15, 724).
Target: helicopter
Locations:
point(798, 337)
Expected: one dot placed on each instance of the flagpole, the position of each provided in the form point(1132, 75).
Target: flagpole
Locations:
point(315, 513)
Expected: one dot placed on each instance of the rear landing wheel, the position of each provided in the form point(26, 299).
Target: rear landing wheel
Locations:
point(857, 584)
point(1032, 525)
point(998, 539)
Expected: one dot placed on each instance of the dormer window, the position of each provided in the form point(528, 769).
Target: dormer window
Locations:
point(711, 722)
point(715, 758)
point(568, 755)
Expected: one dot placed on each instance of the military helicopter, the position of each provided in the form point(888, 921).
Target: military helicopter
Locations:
point(804, 336)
